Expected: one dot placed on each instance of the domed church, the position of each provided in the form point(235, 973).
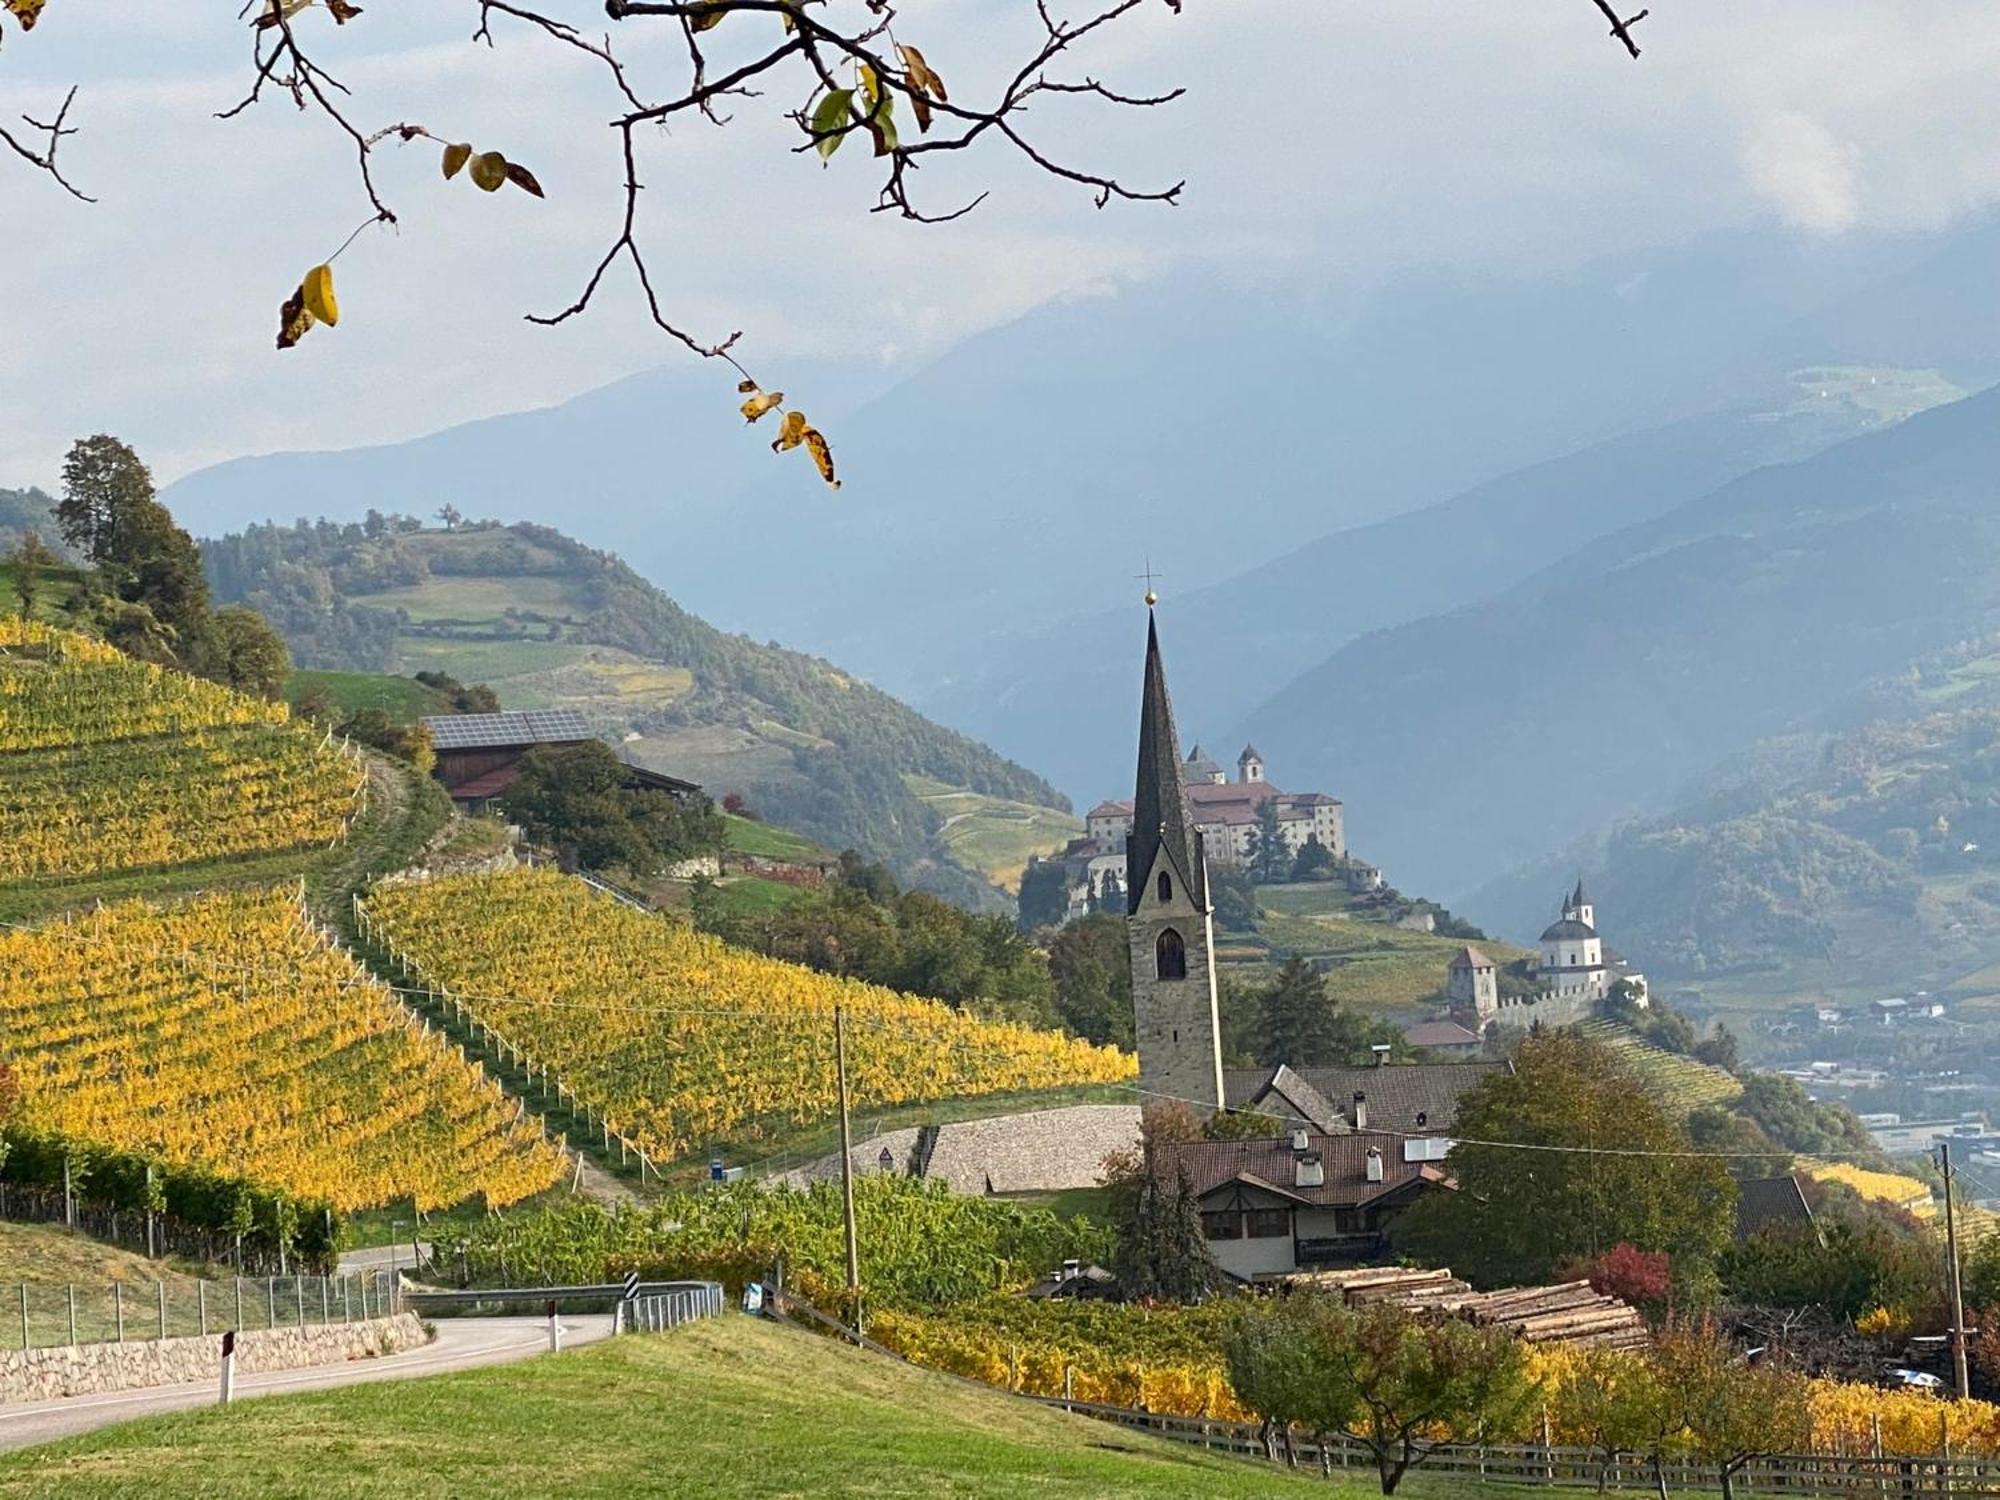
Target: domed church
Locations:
point(1572, 965)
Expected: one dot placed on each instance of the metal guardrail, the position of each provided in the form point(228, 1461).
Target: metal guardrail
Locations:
point(54, 1314)
point(654, 1314)
point(609, 1294)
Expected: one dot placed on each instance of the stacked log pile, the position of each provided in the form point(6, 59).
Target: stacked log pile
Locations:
point(1568, 1313)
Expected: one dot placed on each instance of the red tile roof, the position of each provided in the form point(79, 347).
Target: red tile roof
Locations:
point(1270, 1165)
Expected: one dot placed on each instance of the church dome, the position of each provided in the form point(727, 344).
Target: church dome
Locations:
point(1568, 929)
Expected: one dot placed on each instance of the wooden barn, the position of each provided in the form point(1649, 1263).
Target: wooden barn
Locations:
point(479, 755)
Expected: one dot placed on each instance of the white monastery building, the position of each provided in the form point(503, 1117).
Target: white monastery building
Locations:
point(1226, 813)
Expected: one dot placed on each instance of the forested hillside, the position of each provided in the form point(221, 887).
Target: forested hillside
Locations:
point(548, 621)
point(1862, 857)
point(1595, 689)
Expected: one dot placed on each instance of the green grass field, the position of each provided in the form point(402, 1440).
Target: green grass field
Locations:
point(768, 841)
point(477, 601)
point(1375, 966)
point(57, 585)
point(991, 834)
point(722, 1410)
point(490, 662)
point(403, 699)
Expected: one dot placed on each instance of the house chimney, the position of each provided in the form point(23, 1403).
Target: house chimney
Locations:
point(1309, 1170)
point(1299, 1140)
point(1381, 1051)
point(1374, 1165)
point(1071, 1269)
point(1360, 1110)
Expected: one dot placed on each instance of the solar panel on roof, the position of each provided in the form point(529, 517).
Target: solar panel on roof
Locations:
point(539, 726)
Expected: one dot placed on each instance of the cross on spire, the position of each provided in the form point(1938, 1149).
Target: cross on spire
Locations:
point(1149, 575)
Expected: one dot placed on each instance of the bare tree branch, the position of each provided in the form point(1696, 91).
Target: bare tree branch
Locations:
point(53, 133)
point(1622, 30)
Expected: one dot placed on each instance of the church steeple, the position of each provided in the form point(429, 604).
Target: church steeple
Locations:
point(1169, 928)
point(1161, 818)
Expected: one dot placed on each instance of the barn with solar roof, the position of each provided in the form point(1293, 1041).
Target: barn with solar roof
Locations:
point(479, 755)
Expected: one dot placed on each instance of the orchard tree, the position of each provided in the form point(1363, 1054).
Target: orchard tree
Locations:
point(246, 653)
point(1730, 1411)
point(852, 75)
point(28, 560)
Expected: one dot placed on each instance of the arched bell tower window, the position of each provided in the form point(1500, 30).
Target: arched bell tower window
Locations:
point(1170, 955)
point(1166, 886)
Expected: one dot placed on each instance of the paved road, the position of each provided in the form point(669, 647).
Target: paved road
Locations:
point(461, 1344)
point(383, 1257)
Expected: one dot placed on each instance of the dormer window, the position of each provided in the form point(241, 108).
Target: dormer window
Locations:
point(1166, 886)
point(1170, 955)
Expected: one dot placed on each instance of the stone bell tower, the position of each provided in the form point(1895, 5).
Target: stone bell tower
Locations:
point(1169, 924)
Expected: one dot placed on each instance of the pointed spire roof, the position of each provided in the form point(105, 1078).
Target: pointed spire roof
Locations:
point(1160, 815)
point(1578, 898)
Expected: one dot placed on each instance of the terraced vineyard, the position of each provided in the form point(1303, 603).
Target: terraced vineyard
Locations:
point(226, 1032)
point(111, 764)
point(682, 1042)
point(1680, 1083)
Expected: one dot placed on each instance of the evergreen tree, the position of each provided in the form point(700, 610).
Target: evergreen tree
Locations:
point(1092, 970)
point(574, 799)
point(1162, 1254)
point(1044, 898)
point(1270, 858)
point(1298, 1023)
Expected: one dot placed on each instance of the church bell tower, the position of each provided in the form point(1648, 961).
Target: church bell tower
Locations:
point(1170, 930)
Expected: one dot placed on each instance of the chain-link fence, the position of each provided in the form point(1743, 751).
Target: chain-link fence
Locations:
point(41, 1315)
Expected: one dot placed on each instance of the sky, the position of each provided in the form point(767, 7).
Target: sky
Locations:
point(1324, 144)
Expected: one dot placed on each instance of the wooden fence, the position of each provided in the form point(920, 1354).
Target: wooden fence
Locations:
point(1883, 1476)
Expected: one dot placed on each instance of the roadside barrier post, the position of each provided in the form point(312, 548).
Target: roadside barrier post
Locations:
point(160, 1288)
point(228, 1366)
point(118, 1307)
point(201, 1306)
point(555, 1329)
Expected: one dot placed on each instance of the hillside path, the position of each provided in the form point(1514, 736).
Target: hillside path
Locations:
point(461, 1344)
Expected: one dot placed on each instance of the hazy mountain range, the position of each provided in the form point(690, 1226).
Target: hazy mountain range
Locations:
point(1494, 560)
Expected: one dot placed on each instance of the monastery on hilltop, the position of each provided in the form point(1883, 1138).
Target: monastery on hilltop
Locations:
point(1229, 815)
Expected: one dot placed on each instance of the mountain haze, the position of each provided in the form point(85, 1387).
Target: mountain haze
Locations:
point(1587, 692)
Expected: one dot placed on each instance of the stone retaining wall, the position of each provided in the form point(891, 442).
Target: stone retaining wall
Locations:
point(88, 1369)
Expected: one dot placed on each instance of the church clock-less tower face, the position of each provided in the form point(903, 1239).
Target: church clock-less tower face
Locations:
point(1169, 925)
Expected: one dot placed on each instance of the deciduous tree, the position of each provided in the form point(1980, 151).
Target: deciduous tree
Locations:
point(1562, 1158)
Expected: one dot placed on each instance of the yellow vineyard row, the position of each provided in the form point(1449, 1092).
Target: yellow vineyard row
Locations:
point(682, 1042)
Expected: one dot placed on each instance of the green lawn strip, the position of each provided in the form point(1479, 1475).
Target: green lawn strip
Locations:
point(403, 699)
point(721, 1410)
point(1092, 1203)
point(767, 840)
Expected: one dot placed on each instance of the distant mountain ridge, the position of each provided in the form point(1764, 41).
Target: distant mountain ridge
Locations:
point(1586, 693)
point(548, 622)
point(1834, 862)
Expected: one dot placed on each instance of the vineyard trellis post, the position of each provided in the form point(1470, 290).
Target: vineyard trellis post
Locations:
point(847, 1162)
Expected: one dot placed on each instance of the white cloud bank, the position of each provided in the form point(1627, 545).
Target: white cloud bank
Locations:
point(1320, 141)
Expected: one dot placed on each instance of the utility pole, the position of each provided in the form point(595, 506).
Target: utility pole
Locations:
point(847, 1159)
point(1957, 1292)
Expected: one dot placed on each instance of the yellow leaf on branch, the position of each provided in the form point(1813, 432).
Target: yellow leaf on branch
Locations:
point(791, 432)
point(455, 157)
point(761, 402)
point(489, 171)
point(317, 292)
point(294, 318)
point(822, 456)
point(26, 12)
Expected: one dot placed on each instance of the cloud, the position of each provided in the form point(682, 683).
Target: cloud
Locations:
point(1795, 163)
point(1328, 145)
